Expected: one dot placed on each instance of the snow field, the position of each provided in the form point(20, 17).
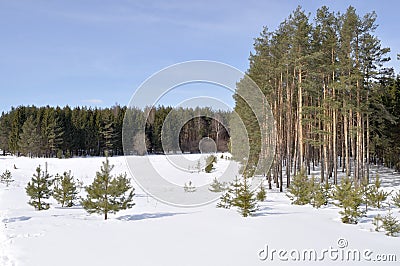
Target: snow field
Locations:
point(152, 233)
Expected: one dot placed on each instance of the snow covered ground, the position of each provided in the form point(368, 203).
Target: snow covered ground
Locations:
point(152, 233)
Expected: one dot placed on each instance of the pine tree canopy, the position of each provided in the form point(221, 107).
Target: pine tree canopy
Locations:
point(108, 194)
point(39, 189)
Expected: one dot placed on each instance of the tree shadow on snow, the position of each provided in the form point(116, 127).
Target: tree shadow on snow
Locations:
point(75, 207)
point(267, 211)
point(16, 219)
point(144, 216)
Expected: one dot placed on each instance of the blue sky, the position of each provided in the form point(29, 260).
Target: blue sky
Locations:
point(96, 53)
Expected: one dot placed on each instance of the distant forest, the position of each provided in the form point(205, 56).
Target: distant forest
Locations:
point(81, 131)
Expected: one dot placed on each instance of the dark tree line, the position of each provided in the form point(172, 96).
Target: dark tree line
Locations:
point(188, 126)
point(81, 131)
point(385, 124)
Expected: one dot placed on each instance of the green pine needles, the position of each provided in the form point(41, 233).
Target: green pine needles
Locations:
point(39, 189)
point(303, 190)
point(108, 194)
point(299, 189)
point(391, 224)
point(319, 193)
point(262, 193)
point(376, 195)
point(239, 195)
point(231, 193)
point(245, 201)
point(372, 194)
point(388, 222)
point(217, 186)
point(349, 198)
point(65, 190)
point(6, 178)
point(396, 199)
point(210, 161)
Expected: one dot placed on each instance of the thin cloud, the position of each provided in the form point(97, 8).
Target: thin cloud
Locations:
point(93, 101)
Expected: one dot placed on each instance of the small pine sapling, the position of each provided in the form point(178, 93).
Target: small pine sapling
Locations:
point(232, 192)
point(262, 193)
point(39, 189)
point(217, 186)
point(396, 199)
point(299, 189)
point(327, 188)
point(391, 224)
point(318, 195)
point(377, 222)
point(235, 187)
point(342, 190)
point(6, 178)
point(246, 201)
point(108, 194)
point(366, 190)
point(349, 198)
point(210, 161)
point(225, 201)
point(65, 190)
point(189, 187)
point(376, 195)
point(209, 168)
point(351, 211)
point(198, 166)
point(381, 196)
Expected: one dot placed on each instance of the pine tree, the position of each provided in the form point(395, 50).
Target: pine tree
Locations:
point(381, 196)
point(198, 166)
point(14, 135)
point(396, 199)
point(54, 134)
point(6, 178)
point(65, 190)
point(5, 129)
point(318, 195)
point(262, 193)
point(391, 224)
point(349, 198)
point(376, 195)
point(366, 191)
point(189, 187)
point(342, 190)
point(225, 201)
point(299, 189)
point(39, 189)
point(209, 168)
point(351, 211)
point(377, 222)
point(245, 201)
point(232, 192)
point(29, 139)
point(217, 186)
point(108, 133)
point(327, 188)
point(210, 160)
point(108, 194)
